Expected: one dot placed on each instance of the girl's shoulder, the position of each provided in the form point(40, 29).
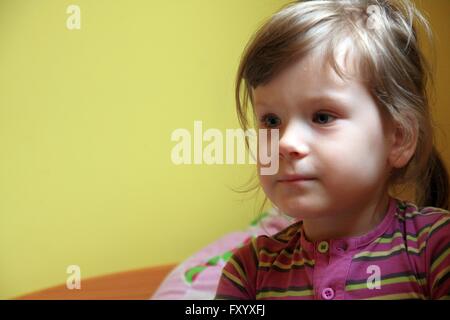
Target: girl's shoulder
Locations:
point(282, 240)
point(428, 225)
point(410, 213)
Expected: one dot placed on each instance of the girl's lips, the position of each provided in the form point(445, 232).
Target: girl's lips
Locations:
point(295, 178)
point(295, 181)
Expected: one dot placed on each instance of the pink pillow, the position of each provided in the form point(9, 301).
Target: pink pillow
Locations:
point(197, 277)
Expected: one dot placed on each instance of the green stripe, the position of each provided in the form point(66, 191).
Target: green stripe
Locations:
point(399, 234)
point(280, 293)
point(288, 254)
point(373, 255)
point(416, 212)
point(190, 273)
point(386, 281)
point(287, 234)
point(441, 276)
point(267, 253)
point(438, 261)
point(401, 247)
point(398, 296)
point(235, 280)
point(238, 268)
point(379, 253)
point(255, 251)
point(279, 265)
point(440, 224)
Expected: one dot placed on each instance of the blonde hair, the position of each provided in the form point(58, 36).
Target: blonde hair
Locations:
point(383, 33)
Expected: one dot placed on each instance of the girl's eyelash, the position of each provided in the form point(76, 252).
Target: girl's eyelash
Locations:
point(265, 117)
point(325, 113)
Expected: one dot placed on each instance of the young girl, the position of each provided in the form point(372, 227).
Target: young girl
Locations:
point(344, 83)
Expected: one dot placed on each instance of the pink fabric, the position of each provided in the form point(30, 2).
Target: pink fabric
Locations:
point(196, 279)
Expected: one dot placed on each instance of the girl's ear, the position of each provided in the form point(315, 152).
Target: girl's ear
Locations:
point(402, 146)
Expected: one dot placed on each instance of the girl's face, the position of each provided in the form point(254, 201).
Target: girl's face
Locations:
point(331, 133)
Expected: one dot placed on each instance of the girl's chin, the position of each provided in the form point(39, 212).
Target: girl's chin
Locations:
point(301, 208)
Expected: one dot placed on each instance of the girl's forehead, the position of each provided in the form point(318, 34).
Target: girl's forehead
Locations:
point(322, 64)
point(309, 73)
point(344, 56)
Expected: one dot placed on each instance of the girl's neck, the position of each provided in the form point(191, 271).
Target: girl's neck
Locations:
point(354, 222)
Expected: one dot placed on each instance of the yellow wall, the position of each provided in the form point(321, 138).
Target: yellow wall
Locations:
point(86, 118)
point(85, 122)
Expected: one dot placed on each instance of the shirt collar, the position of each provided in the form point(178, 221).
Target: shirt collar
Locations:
point(351, 243)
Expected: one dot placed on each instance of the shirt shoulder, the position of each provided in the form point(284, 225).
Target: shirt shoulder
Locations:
point(239, 276)
point(280, 241)
point(423, 220)
point(430, 227)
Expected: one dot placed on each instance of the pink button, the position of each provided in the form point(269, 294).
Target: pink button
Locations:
point(328, 293)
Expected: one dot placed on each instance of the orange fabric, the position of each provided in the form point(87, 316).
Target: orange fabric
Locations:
point(129, 285)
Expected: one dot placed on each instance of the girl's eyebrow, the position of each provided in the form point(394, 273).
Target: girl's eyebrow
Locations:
point(320, 98)
point(328, 97)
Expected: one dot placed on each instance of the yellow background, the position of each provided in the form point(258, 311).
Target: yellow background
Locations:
point(86, 117)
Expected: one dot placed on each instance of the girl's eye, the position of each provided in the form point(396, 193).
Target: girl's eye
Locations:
point(322, 117)
point(270, 121)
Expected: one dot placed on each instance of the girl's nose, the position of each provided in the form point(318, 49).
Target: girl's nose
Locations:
point(293, 143)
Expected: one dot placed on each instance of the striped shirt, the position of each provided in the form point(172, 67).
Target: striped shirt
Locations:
point(407, 256)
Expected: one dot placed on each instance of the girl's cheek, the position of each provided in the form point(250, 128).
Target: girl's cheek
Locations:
point(266, 184)
point(262, 147)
